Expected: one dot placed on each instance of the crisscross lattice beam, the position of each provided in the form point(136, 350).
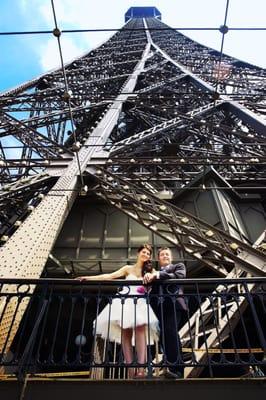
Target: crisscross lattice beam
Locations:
point(182, 229)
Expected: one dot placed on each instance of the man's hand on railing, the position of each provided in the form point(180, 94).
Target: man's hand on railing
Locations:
point(149, 277)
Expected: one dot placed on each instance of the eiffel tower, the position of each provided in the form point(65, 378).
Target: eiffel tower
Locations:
point(151, 137)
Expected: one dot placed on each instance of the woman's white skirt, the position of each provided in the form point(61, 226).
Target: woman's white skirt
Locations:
point(124, 313)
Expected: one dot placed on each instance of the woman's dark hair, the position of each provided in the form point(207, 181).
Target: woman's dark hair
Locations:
point(145, 246)
point(147, 267)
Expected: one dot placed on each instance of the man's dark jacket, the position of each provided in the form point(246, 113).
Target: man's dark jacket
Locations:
point(171, 271)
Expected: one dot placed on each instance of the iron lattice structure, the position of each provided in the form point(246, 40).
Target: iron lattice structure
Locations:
point(148, 111)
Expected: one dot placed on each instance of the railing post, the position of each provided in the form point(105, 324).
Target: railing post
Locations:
point(256, 320)
point(22, 369)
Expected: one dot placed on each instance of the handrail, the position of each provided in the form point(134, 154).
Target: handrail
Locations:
point(59, 331)
point(117, 282)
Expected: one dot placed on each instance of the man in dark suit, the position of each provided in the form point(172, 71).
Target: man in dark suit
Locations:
point(168, 304)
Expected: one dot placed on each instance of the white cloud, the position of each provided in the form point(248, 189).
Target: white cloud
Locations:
point(49, 52)
point(67, 12)
point(81, 14)
point(78, 14)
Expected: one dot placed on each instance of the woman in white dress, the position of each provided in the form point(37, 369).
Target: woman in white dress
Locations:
point(133, 322)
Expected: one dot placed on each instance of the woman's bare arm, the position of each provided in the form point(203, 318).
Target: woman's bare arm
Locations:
point(120, 273)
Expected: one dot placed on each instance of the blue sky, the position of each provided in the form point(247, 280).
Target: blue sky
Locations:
point(24, 57)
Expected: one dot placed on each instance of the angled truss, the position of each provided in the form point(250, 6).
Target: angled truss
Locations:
point(178, 172)
point(180, 228)
point(37, 142)
point(240, 81)
point(228, 313)
point(152, 134)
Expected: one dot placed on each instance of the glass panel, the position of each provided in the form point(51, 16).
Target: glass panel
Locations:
point(93, 228)
point(138, 234)
point(116, 230)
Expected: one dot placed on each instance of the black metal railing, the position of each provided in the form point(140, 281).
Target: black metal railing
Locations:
point(50, 326)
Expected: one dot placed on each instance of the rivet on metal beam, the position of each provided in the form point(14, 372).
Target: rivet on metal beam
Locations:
point(262, 246)
point(234, 246)
point(4, 238)
point(215, 96)
point(76, 146)
point(84, 190)
point(67, 95)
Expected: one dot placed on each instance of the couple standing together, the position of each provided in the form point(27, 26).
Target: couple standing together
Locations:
point(146, 323)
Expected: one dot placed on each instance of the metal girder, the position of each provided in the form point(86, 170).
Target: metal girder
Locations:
point(29, 137)
point(211, 69)
point(52, 99)
point(91, 57)
point(36, 162)
point(227, 316)
point(52, 116)
point(154, 66)
point(181, 171)
point(248, 117)
point(26, 251)
point(67, 182)
point(216, 137)
point(192, 235)
point(152, 133)
point(22, 184)
point(161, 84)
point(4, 169)
point(18, 200)
point(90, 78)
point(197, 326)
